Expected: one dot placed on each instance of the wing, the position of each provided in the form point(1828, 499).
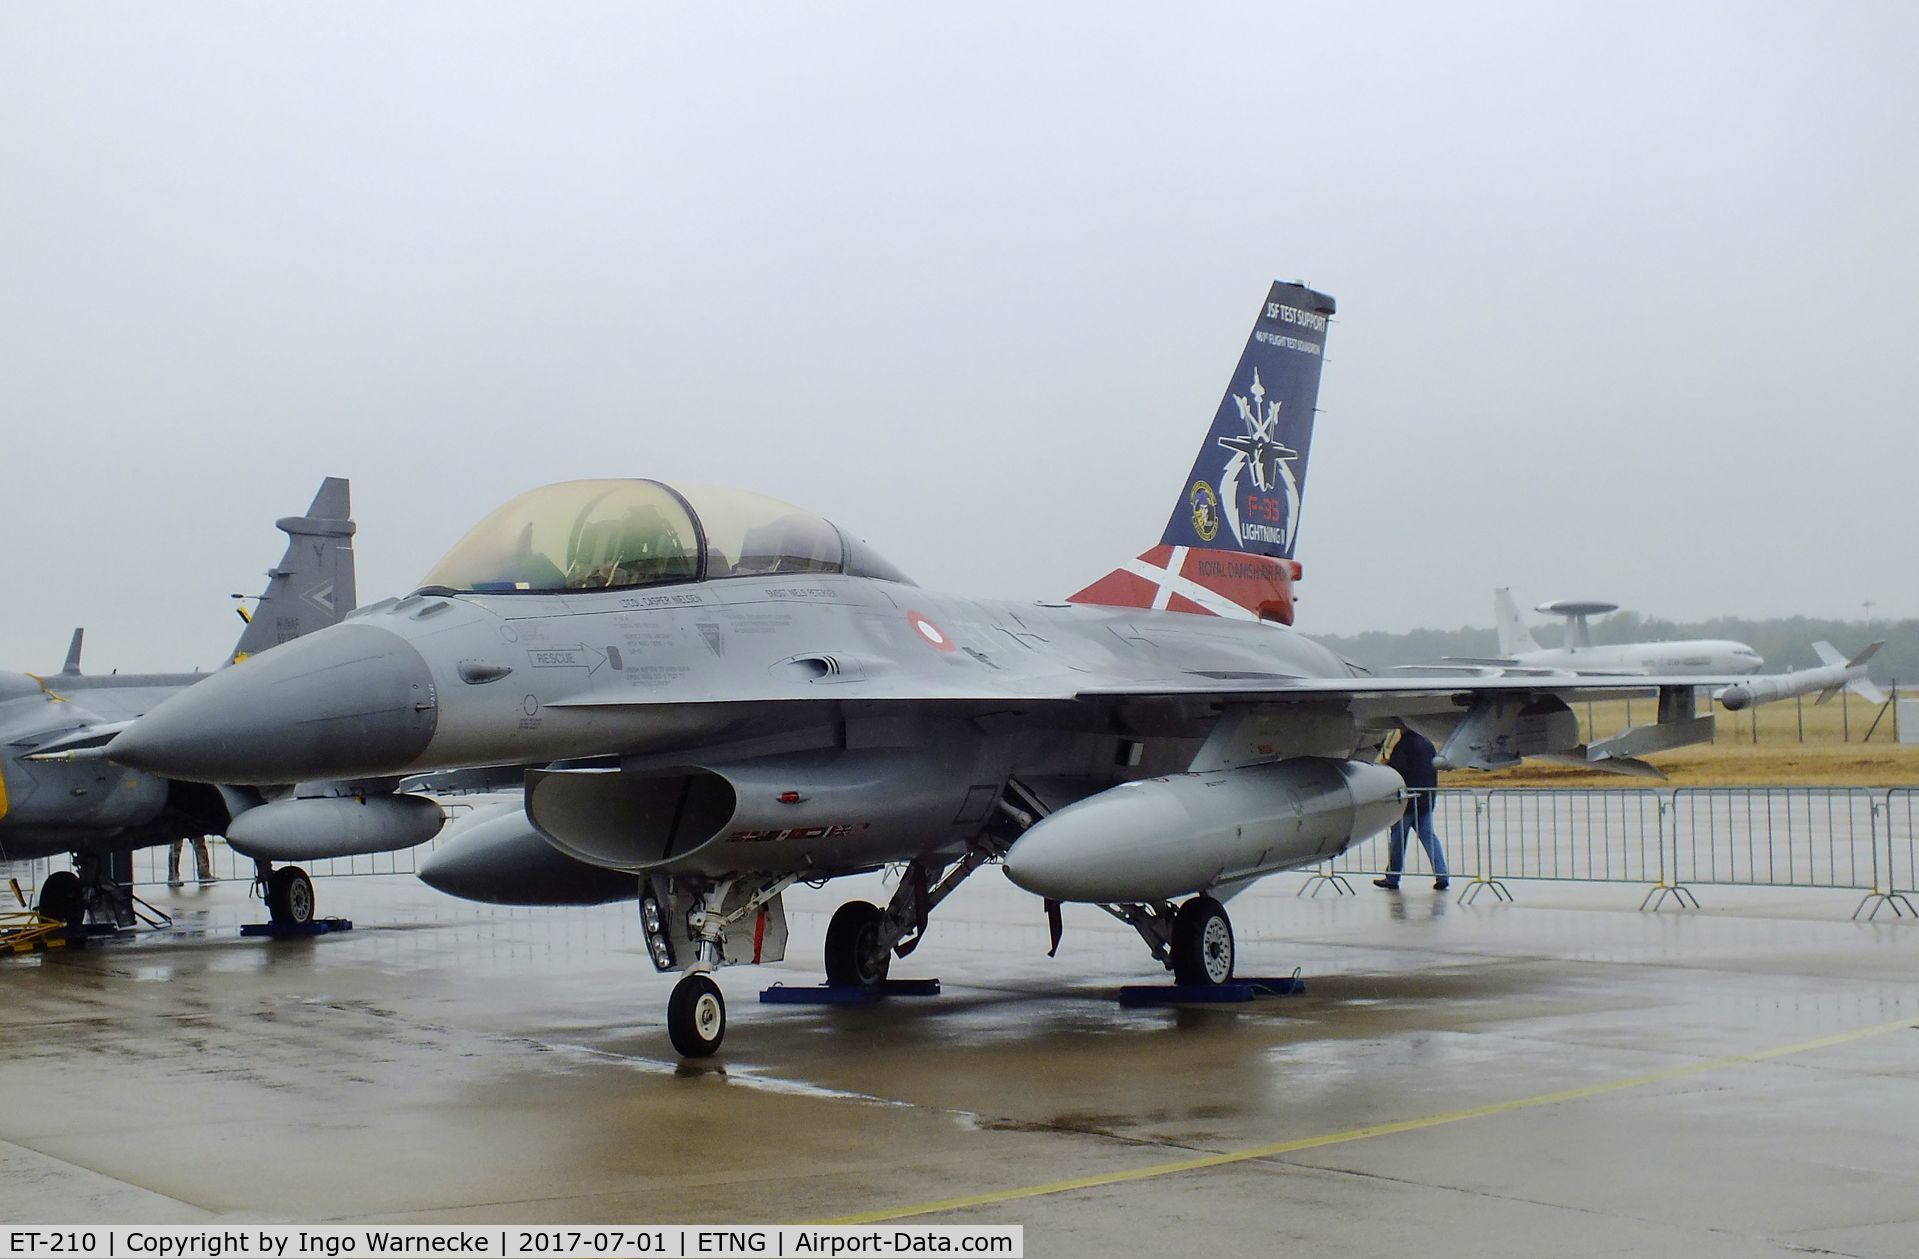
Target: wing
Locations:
point(1475, 722)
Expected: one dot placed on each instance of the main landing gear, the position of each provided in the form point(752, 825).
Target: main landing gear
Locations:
point(63, 897)
point(862, 939)
point(100, 888)
point(289, 894)
point(1194, 940)
point(855, 956)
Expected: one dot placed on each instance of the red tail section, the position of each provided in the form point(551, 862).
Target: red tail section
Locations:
point(1211, 583)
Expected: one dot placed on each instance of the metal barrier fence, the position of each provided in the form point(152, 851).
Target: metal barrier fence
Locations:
point(1841, 838)
point(1776, 836)
point(1857, 839)
point(1607, 835)
point(1902, 842)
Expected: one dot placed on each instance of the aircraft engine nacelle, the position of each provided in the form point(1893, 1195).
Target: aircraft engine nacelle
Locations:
point(494, 855)
point(1161, 838)
point(844, 809)
point(319, 827)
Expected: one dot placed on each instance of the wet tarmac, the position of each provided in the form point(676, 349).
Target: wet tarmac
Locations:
point(1559, 1076)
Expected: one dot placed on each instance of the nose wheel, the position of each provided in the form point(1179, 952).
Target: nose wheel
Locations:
point(696, 1016)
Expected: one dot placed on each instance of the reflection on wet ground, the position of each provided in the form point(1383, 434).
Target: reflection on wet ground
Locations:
point(446, 1061)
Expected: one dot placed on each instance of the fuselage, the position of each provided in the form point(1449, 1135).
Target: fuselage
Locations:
point(924, 704)
point(442, 680)
point(1693, 656)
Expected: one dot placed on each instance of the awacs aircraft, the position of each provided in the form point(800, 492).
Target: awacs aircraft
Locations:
point(58, 793)
point(1520, 650)
point(760, 699)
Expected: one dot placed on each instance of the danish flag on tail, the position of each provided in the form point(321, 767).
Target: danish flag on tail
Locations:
point(1228, 549)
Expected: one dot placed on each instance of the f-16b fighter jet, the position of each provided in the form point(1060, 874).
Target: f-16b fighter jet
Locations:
point(58, 792)
point(729, 694)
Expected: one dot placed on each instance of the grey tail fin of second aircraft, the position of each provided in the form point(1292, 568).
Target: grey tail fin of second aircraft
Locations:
point(72, 667)
point(1514, 637)
point(312, 586)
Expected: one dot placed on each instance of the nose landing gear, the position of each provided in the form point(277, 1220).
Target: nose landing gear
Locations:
point(696, 1016)
point(703, 925)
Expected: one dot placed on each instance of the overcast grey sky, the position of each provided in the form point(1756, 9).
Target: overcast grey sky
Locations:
point(1625, 290)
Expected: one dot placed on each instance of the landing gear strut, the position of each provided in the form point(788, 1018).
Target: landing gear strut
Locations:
point(1194, 941)
point(701, 925)
point(100, 885)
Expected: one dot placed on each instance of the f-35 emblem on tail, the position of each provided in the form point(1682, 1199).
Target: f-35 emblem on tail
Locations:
point(1271, 464)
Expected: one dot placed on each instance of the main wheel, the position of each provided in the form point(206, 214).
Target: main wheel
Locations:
point(854, 958)
point(1202, 942)
point(63, 896)
point(696, 1016)
point(290, 896)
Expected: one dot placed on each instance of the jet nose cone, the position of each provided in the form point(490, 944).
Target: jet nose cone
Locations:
point(351, 701)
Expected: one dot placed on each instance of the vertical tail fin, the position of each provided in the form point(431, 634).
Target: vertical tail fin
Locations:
point(72, 666)
point(1514, 637)
point(312, 586)
point(1228, 547)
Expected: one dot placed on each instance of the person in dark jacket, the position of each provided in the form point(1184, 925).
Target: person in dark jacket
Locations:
point(1412, 756)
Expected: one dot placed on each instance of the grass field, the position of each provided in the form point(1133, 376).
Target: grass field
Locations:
point(1777, 757)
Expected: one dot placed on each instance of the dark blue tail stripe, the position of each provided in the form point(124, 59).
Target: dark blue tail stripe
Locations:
point(1248, 481)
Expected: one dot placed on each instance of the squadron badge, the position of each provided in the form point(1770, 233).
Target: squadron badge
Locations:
point(1205, 505)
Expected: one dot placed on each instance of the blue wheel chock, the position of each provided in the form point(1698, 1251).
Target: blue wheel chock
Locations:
point(296, 930)
point(849, 994)
point(1240, 988)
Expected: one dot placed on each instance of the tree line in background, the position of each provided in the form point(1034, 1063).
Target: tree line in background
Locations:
point(1785, 642)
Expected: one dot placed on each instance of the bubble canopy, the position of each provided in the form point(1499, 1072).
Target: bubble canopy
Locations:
point(620, 534)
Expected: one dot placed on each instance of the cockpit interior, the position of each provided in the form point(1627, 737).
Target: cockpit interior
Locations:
point(623, 534)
